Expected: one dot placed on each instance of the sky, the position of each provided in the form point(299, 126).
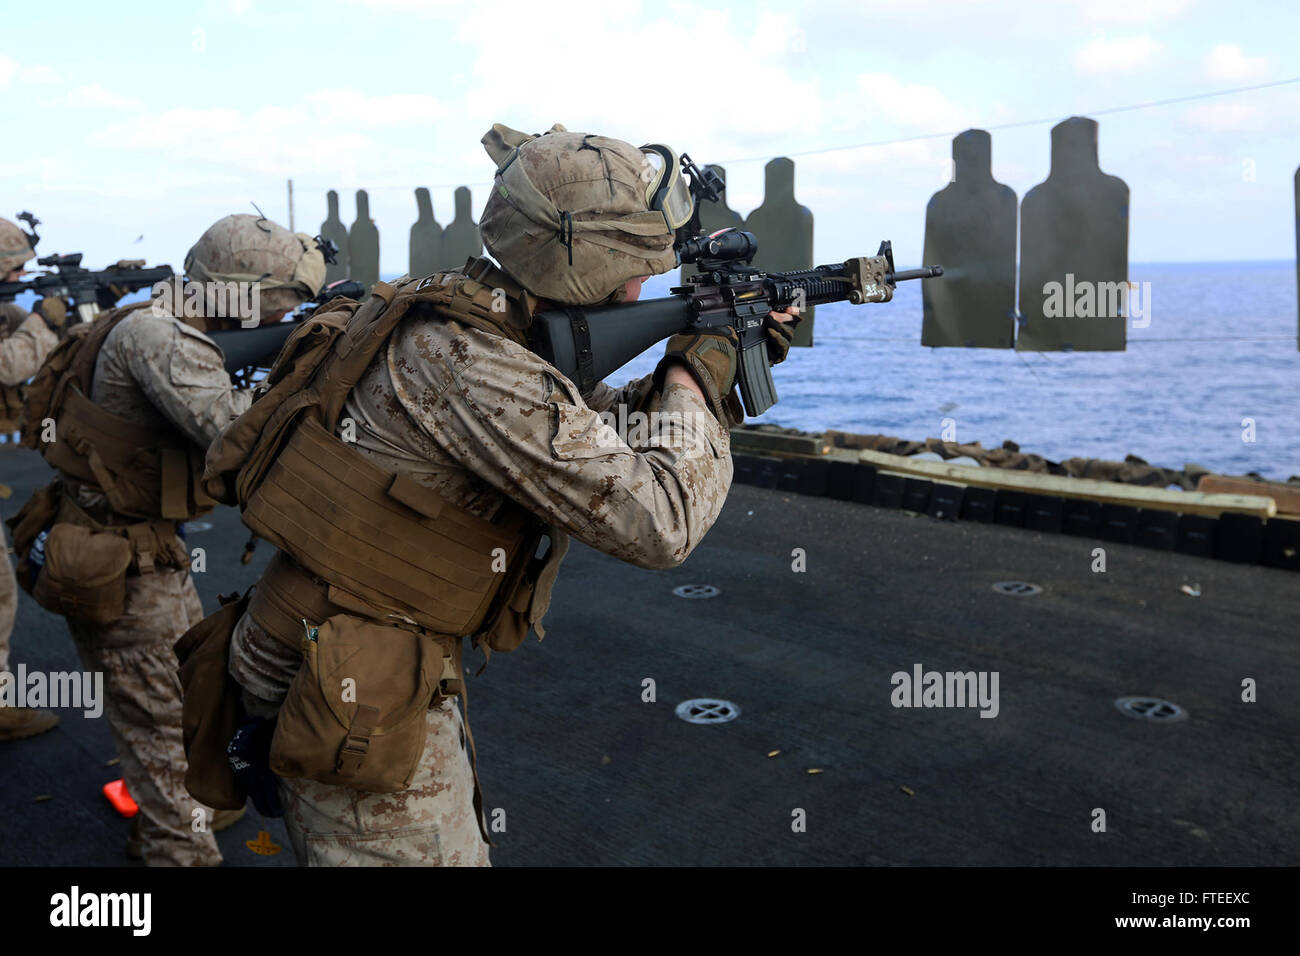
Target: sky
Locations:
point(130, 131)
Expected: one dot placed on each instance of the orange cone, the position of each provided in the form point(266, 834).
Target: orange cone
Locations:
point(120, 798)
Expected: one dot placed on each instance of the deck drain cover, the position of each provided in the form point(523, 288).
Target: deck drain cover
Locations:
point(1151, 708)
point(192, 526)
point(696, 591)
point(1017, 588)
point(706, 710)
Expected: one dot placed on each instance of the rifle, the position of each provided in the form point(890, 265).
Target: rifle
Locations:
point(588, 344)
point(247, 350)
point(90, 292)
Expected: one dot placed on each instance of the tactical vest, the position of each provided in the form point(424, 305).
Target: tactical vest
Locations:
point(353, 536)
point(143, 471)
point(11, 408)
point(150, 477)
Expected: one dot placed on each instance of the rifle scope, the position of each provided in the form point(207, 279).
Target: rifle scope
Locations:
point(72, 261)
point(730, 246)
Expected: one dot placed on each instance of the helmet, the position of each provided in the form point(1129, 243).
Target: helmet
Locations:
point(15, 247)
point(288, 267)
point(573, 216)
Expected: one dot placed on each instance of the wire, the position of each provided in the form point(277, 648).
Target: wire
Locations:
point(1033, 122)
point(1149, 104)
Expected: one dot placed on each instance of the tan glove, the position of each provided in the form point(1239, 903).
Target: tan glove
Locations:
point(711, 359)
point(779, 337)
point(53, 311)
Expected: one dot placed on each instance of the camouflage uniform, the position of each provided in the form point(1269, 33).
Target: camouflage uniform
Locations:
point(21, 353)
point(24, 348)
point(478, 419)
point(154, 369)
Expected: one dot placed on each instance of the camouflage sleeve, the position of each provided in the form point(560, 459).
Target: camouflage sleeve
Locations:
point(183, 374)
point(510, 418)
point(635, 394)
point(22, 353)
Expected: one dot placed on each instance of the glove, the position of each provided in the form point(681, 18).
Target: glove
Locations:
point(779, 337)
point(711, 359)
point(249, 752)
point(53, 311)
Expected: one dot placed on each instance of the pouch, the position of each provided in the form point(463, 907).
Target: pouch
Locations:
point(355, 712)
point(35, 516)
point(84, 577)
point(212, 706)
point(509, 625)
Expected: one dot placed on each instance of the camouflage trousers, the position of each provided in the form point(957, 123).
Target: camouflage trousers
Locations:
point(143, 707)
point(432, 823)
point(8, 603)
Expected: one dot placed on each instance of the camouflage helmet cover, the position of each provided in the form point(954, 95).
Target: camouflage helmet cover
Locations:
point(568, 216)
point(288, 267)
point(15, 247)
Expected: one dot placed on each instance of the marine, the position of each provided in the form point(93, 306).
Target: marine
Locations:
point(136, 397)
point(409, 460)
point(25, 340)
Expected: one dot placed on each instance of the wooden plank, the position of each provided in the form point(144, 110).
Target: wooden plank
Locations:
point(1185, 502)
point(1286, 496)
point(768, 443)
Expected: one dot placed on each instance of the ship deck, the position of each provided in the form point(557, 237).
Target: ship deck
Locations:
point(588, 772)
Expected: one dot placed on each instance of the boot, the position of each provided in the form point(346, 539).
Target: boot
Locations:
point(19, 722)
point(221, 819)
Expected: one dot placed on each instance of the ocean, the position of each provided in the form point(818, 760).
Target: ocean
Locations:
point(1220, 349)
point(1219, 354)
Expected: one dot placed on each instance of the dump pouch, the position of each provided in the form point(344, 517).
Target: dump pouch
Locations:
point(355, 712)
point(38, 514)
point(213, 709)
point(84, 578)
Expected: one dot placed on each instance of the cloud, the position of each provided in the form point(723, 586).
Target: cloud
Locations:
point(392, 111)
point(338, 136)
point(911, 105)
point(94, 95)
point(1134, 11)
point(1120, 55)
point(1227, 62)
point(11, 71)
point(1226, 117)
point(622, 84)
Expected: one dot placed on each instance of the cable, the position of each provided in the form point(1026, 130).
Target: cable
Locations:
point(1033, 122)
point(1149, 104)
